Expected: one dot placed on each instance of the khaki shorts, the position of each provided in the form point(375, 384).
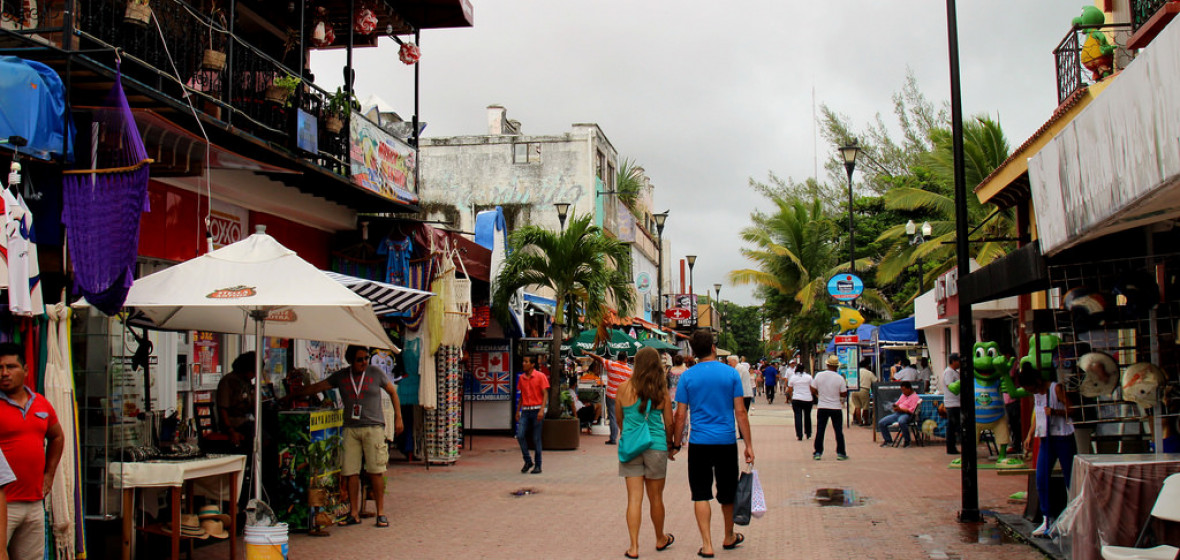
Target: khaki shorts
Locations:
point(860, 399)
point(999, 428)
point(652, 465)
point(366, 441)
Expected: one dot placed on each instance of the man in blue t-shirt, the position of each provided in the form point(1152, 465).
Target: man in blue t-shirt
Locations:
point(711, 392)
point(770, 378)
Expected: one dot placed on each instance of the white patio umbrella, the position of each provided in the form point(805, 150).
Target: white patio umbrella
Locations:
point(256, 286)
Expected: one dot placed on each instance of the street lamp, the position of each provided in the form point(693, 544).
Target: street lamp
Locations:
point(660, 219)
point(563, 209)
point(717, 304)
point(692, 260)
point(919, 237)
point(849, 153)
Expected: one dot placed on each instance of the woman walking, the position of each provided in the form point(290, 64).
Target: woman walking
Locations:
point(799, 393)
point(643, 404)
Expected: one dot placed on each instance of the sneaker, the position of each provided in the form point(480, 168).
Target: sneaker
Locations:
point(886, 443)
point(526, 467)
point(1044, 528)
point(536, 470)
point(841, 457)
point(609, 442)
point(817, 456)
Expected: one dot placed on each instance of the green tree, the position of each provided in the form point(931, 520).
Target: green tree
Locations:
point(629, 182)
point(578, 264)
point(741, 331)
point(794, 250)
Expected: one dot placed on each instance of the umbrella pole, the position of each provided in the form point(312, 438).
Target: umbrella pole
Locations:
point(259, 328)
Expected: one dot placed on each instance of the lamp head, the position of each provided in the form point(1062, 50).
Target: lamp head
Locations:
point(692, 260)
point(910, 228)
point(927, 229)
point(660, 219)
point(717, 288)
point(848, 153)
point(563, 209)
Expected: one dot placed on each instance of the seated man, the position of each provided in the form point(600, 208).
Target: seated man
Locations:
point(903, 411)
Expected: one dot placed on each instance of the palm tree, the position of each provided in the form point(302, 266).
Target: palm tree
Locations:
point(794, 250)
point(629, 182)
point(578, 263)
point(930, 191)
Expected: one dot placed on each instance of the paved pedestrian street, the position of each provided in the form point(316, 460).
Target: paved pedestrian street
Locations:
point(886, 503)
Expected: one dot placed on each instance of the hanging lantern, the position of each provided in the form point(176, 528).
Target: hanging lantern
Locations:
point(322, 33)
point(366, 22)
point(409, 53)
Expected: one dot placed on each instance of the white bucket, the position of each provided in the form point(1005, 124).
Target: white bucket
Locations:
point(266, 543)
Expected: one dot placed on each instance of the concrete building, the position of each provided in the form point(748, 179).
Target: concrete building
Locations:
point(527, 174)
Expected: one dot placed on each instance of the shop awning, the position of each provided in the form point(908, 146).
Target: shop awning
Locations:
point(901, 331)
point(864, 335)
point(386, 298)
point(658, 344)
point(1020, 272)
point(34, 108)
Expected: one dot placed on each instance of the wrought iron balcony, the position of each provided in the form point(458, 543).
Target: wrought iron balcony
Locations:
point(1142, 10)
point(169, 54)
point(1079, 58)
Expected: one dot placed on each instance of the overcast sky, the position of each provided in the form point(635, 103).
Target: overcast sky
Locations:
point(706, 95)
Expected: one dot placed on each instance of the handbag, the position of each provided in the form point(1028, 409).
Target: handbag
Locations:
point(633, 442)
point(743, 499)
point(757, 498)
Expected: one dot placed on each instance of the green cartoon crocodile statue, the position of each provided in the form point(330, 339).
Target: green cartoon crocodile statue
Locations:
point(991, 382)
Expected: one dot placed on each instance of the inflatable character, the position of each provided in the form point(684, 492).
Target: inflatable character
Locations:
point(848, 319)
point(991, 381)
point(1041, 349)
point(1097, 54)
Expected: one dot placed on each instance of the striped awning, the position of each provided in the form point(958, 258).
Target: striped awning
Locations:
point(386, 298)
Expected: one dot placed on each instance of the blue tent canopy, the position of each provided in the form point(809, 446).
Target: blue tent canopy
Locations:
point(864, 335)
point(901, 331)
point(35, 108)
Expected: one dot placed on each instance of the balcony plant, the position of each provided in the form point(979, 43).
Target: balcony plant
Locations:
point(339, 105)
point(138, 12)
point(280, 91)
point(214, 58)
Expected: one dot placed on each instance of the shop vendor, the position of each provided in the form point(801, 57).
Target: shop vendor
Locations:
point(235, 401)
point(360, 385)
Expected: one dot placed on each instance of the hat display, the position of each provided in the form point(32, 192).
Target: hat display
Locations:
point(213, 521)
point(833, 360)
point(190, 526)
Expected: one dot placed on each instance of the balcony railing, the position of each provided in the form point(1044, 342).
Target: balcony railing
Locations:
point(1142, 10)
point(1077, 69)
point(171, 59)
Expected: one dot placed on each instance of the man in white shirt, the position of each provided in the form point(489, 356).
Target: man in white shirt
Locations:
point(829, 389)
point(951, 401)
point(743, 370)
point(906, 373)
point(924, 372)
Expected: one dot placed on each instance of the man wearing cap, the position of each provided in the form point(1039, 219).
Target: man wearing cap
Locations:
point(951, 402)
point(829, 389)
point(32, 441)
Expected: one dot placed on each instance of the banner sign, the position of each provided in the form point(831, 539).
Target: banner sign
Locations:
point(380, 162)
point(849, 358)
point(491, 370)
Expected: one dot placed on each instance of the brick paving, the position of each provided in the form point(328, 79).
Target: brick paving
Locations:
point(909, 497)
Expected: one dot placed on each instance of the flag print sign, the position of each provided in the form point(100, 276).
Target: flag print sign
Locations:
point(491, 370)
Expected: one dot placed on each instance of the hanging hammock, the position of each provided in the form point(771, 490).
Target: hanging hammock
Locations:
point(457, 304)
point(103, 203)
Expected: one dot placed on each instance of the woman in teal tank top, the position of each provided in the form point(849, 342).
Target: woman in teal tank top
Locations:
point(643, 404)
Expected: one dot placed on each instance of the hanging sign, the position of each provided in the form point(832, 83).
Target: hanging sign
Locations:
point(678, 314)
point(643, 282)
point(491, 372)
point(845, 287)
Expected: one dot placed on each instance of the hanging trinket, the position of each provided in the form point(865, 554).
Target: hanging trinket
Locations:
point(322, 33)
point(365, 23)
point(409, 53)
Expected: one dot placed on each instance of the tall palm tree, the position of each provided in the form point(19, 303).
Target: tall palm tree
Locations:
point(578, 263)
point(794, 251)
point(984, 149)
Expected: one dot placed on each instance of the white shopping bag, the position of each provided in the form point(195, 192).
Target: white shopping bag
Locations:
point(757, 499)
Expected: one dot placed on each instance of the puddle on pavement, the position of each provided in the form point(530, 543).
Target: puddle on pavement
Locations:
point(840, 497)
point(524, 492)
point(984, 533)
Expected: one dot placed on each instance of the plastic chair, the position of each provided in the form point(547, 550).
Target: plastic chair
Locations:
point(1167, 507)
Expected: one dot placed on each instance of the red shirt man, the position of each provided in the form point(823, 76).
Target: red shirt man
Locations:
point(534, 396)
point(27, 420)
point(616, 374)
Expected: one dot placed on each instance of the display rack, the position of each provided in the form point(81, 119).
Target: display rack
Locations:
point(443, 425)
point(1127, 308)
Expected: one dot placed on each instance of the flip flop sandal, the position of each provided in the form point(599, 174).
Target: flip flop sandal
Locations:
point(671, 539)
point(382, 521)
point(350, 520)
point(738, 538)
point(628, 555)
point(701, 553)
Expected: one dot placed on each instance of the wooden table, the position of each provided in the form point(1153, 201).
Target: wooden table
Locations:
point(175, 476)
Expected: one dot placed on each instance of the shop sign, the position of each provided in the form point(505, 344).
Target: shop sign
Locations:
point(946, 293)
point(846, 339)
point(491, 370)
point(678, 314)
point(380, 162)
point(227, 222)
point(849, 357)
point(643, 282)
point(845, 287)
point(324, 419)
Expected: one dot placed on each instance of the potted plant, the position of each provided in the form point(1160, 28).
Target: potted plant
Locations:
point(280, 91)
point(213, 58)
point(138, 12)
point(339, 105)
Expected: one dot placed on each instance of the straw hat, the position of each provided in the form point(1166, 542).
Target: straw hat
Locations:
point(213, 521)
point(833, 360)
point(190, 526)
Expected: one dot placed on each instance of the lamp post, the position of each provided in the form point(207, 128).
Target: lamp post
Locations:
point(848, 153)
point(563, 209)
point(660, 219)
point(692, 298)
point(919, 237)
point(717, 306)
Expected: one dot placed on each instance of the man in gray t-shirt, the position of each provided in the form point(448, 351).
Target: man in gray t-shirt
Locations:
point(360, 387)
